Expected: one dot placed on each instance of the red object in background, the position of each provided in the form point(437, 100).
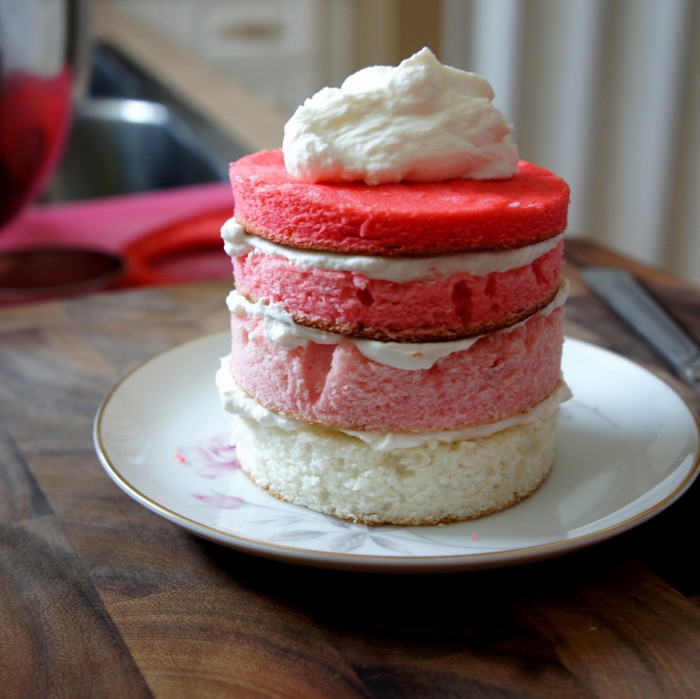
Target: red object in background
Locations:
point(35, 116)
point(162, 237)
point(188, 250)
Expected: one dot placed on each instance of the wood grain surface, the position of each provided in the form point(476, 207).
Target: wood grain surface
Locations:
point(99, 597)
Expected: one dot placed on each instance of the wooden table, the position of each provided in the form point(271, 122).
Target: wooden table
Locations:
point(101, 598)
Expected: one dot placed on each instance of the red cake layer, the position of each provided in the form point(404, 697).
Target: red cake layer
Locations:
point(397, 219)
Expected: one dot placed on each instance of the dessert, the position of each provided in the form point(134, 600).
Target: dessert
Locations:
point(396, 326)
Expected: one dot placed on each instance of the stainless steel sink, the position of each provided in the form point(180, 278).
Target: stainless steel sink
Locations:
point(121, 146)
point(129, 134)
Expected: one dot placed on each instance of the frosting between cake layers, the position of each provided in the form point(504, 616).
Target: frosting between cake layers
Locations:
point(420, 121)
point(237, 402)
point(280, 327)
point(396, 269)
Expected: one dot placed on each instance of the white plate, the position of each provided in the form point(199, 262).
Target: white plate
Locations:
point(627, 448)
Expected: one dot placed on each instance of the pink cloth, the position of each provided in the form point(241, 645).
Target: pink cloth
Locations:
point(115, 224)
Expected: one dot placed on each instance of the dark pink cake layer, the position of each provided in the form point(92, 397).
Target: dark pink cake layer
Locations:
point(444, 307)
point(501, 374)
point(397, 219)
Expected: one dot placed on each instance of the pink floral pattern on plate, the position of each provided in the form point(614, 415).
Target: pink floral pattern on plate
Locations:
point(211, 459)
point(291, 525)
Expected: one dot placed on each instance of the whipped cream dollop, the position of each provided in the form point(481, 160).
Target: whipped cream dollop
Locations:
point(420, 121)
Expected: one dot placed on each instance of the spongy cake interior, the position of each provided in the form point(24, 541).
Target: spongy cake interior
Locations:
point(438, 482)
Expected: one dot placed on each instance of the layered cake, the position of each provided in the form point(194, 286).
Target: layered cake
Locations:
point(397, 315)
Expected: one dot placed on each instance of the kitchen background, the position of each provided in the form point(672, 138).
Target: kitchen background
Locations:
point(604, 92)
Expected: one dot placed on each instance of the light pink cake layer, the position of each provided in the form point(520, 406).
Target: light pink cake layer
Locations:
point(453, 306)
point(501, 374)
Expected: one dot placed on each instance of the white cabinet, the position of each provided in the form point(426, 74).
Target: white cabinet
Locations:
point(289, 49)
point(279, 47)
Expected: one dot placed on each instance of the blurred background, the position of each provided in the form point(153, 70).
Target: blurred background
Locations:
point(604, 92)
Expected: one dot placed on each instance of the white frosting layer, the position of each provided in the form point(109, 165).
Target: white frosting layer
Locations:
point(279, 326)
point(420, 121)
point(237, 402)
point(396, 269)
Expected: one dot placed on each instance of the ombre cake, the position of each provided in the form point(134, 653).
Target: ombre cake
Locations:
point(396, 332)
point(403, 287)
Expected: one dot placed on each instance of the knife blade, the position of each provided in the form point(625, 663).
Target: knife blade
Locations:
point(638, 308)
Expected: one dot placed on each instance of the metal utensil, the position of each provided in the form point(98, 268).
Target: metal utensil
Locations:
point(643, 314)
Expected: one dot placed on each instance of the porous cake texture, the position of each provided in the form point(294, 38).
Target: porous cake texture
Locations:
point(417, 218)
point(434, 483)
point(337, 381)
point(423, 304)
point(395, 349)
